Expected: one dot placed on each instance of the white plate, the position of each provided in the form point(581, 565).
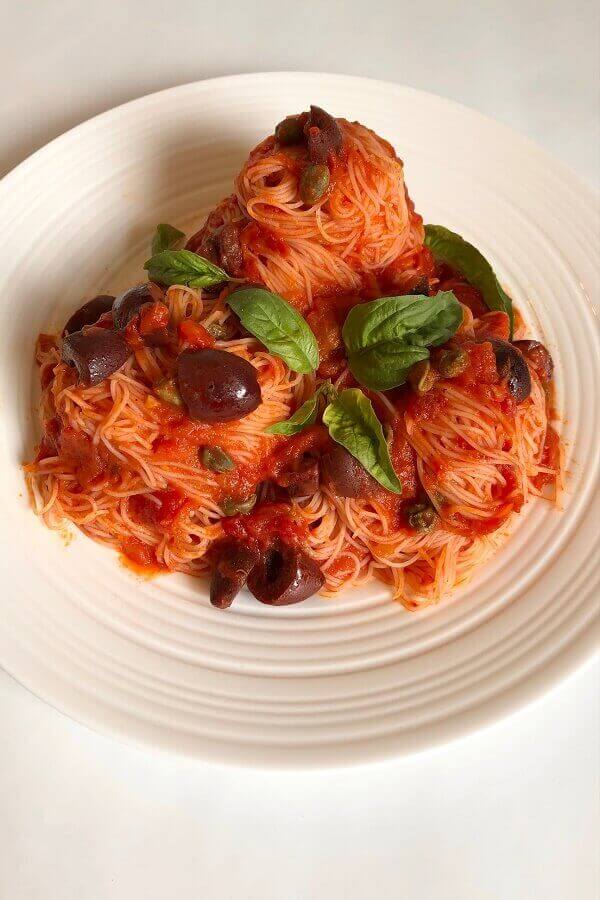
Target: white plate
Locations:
point(328, 682)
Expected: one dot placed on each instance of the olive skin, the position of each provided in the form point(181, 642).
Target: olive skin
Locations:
point(89, 313)
point(128, 304)
point(324, 135)
point(346, 476)
point(538, 357)
point(512, 366)
point(234, 562)
point(96, 353)
point(284, 576)
point(217, 386)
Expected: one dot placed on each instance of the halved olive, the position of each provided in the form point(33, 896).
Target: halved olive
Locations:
point(537, 356)
point(452, 362)
point(128, 304)
point(96, 353)
point(231, 255)
point(234, 562)
point(217, 386)
point(284, 576)
point(346, 477)
point(314, 182)
point(89, 313)
point(324, 135)
point(215, 459)
point(512, 367)
point(422, 376)
point(289, 131)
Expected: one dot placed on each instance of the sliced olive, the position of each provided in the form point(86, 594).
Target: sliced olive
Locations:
point(421, 516)
point(128, 304)
point(512, 367)
point(452, 362)
point(233, 507)
point(217, 386)
point(345, 475)
point(289, 131)
point(422, 376)
point(234, 562)
point(421, 286)
point(96, 353)
point(324, 135)
point(284, 576)
point(537, 356)
point(168, 391)
point(314, 181)
point(215, 459)
point(230, 251)
point(89, 313)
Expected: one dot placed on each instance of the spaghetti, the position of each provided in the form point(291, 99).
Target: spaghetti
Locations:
point(127, 463)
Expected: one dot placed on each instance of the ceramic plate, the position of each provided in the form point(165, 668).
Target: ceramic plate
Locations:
point(330, 681)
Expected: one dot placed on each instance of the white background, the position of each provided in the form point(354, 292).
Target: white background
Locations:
point(510, 812)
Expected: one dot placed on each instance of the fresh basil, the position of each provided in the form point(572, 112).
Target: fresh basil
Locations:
point(184, 267)
point(166, 237)
point(306, 414)
point(449, 247)
point(351, 422)
point(278, 326)
point(385, 337)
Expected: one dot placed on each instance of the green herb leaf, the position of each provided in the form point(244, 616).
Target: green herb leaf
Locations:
point(352, 422)
point(385, 337)
point(306, 414)
point(451, 248)
point(166, 237)
point(184, 267)
point(278, 326)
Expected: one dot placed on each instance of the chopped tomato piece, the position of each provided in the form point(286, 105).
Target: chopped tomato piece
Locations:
point(153, 317)
point(138, 552)
point(492, 324)
point(195, 335)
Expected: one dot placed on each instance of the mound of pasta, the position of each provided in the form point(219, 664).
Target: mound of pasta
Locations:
point(315, 391)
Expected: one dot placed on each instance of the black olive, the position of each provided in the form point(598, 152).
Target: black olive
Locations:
point(421, 286)
point(289, 131)
point(512, 367)
point(96, 353)
point(217, 386)
point(89, 313)
point(537, 356)
point(324, 135)
point(128, 304)
point(284, 576)
point(345, 475)
point(230, 251)
point(234, 562)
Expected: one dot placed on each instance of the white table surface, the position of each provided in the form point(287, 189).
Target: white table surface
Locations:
point(510, 812)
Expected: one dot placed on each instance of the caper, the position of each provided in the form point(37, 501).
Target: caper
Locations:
point(452, 362)
point(289, 131)
point(314, 181)
point(215, 459)
point(421, 376)
point(168, 391)
point(421, 516)
point(232, 507)
point(223, 331)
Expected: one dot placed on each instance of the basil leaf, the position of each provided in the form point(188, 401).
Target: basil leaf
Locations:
point(278, 326)
point(184, 267)
point(352, 422)
point(166, 237)
point(451, 248)
point(385, 337)
point(306, 414)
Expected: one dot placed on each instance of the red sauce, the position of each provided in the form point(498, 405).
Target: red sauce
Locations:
point(158, 509)
point(140, 557)
point(482, 365)
point(265, 523)
point(426, 406)
point(195, 336)
point(550, 458)
point(153, 317)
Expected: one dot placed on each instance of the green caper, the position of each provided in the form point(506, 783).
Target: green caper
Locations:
point(233, 507)
point(168, 391)
point(421, 516)
point(224, 331)
point(289, 131)
point(314, 181)
point(215, 459)
point(421, 376)
point(452, 362)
